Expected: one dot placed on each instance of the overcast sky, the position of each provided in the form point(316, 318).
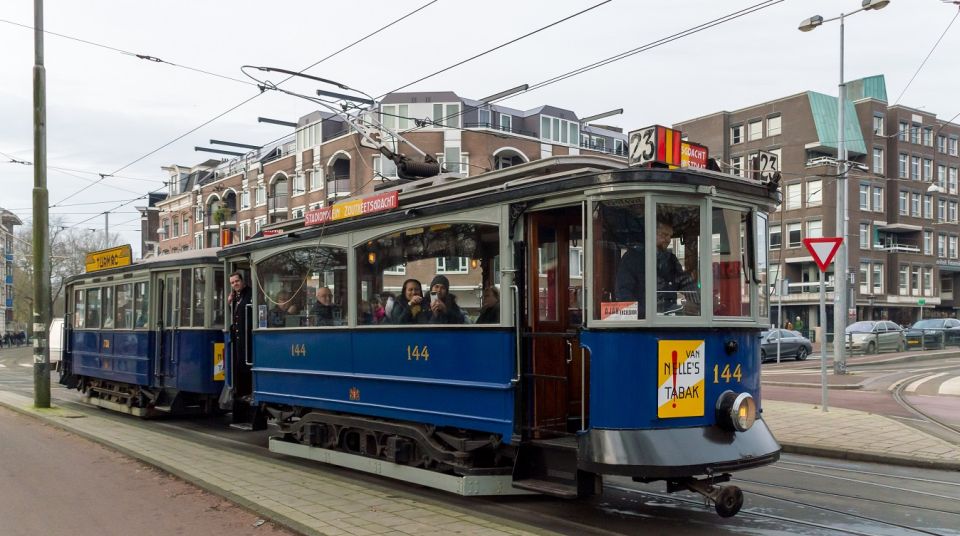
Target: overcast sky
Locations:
point(106, 109)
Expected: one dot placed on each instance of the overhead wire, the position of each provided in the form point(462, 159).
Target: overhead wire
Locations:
point(924, 62)
point(218, 116)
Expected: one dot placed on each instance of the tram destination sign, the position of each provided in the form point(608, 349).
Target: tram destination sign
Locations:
point(109, 258)
point(351, 209)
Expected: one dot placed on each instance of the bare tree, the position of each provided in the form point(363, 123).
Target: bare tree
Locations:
point(68, 249)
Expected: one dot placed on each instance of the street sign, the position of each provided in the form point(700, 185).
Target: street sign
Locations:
point(823, 250)
point(922, 301)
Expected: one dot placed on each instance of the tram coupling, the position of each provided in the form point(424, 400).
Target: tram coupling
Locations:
point(727, 500)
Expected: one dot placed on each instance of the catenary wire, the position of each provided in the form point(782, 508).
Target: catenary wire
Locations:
point(924, 62)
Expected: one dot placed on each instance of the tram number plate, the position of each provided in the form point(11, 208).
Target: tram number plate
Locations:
point(643, 146)
point(767, 165)
point(680, 379)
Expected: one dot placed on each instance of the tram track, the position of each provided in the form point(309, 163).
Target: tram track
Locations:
point(871, 473)
point(802, 522)
point(897, 393)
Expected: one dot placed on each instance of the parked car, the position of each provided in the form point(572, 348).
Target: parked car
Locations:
point(873, 336)
point(933, 333)
point(792, 344)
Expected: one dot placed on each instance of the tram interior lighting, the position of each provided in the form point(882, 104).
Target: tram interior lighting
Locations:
point(372, 257)
point(474, 263)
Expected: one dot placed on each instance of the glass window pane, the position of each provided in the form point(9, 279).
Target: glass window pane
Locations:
point(79, 309)
point(92, 318)
point(678, 260)
point(618, 265)
point(449, 276)
point(199, 290)
point(141, 304)
point(219, 288)
point(547, 280)
point(107, 307)
point(185, 308)
point(731, 293)
point(302, 287)
point(124, 316)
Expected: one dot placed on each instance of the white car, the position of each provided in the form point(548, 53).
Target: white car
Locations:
point(56, 343)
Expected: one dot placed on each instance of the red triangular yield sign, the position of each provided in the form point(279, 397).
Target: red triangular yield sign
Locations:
point(823, 250)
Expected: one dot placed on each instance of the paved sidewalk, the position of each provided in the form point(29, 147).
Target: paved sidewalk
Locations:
point(856, 435)
point(308, 501)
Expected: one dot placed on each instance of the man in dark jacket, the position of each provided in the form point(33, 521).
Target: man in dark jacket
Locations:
point(238, 299)
point(443, 305)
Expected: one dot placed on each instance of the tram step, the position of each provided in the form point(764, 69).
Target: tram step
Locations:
point(548, 487)
point(245, 426)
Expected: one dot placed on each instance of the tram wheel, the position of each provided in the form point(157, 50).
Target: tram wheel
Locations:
point(729, 501)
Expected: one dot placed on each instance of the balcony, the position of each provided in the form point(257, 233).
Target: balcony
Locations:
point(604, 149)
point(339, 187)
point(495, 126)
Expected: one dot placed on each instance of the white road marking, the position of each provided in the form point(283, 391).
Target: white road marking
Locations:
point(912, 388)
point(2, 365)
point(950, 387)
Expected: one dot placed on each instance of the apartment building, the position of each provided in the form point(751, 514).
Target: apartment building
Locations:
point(902, 197)
point(324, 159)
point(8, 220)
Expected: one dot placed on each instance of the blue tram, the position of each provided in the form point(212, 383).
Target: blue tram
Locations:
point(527, 329)
point(147, 339)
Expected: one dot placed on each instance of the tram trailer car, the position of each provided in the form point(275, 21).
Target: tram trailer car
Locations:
point(147, 338)
point(621, 339)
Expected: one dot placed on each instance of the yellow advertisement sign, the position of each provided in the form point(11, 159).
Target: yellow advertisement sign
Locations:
point(109, 258)
point(680, 379)
point(219, 372)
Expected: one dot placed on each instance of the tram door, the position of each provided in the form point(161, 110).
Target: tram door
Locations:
point(555, 294)
point(168, 309)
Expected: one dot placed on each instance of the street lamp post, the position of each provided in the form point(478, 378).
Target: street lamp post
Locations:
point(841, 298)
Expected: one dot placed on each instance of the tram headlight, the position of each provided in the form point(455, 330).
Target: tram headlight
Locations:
point(736, 411)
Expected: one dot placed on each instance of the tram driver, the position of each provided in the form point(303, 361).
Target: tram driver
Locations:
point(672, 279)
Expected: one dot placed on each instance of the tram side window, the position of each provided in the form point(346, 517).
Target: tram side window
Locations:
point(92, 314)
point(124, 316)
point(678, 260)
point(302, 287)
point(79, 309)
point(436, 274)
point(731, 291)
point(199, 290)
point(141, 304)
point(618, 265)
point(219, 287)
point(107, 312)
point(185, 301)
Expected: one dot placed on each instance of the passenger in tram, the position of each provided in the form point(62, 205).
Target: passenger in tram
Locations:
point(490, 312)
point(409, 308)
point(443, 305)
point(281, 308)
point(324, 312)
point(671, 277)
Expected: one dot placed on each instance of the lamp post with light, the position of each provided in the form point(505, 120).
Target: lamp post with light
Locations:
point(841, 304)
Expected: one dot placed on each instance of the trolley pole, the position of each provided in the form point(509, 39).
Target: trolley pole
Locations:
point(41, 253)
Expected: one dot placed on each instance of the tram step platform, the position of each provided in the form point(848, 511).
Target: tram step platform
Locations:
point(548, 487)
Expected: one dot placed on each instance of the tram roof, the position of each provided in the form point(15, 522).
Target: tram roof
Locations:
point(170, 260)
point(539, 178)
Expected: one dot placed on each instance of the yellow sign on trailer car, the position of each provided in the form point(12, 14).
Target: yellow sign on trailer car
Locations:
point(109, 258)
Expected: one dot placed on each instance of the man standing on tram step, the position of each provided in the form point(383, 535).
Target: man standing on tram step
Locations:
point(238, 300)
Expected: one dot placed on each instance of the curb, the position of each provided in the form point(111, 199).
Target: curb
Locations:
point(256, 508)
point(861, 456)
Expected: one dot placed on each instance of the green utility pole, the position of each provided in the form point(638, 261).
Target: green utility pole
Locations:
point(41, 252)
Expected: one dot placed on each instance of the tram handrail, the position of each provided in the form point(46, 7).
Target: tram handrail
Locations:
point(516, 327)
point(584, 352)
point(156, 350)
point(247, 342)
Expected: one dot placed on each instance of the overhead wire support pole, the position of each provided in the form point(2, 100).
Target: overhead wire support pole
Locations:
point(41, 199)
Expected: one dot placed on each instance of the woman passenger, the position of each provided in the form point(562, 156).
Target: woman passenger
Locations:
point(409, 308)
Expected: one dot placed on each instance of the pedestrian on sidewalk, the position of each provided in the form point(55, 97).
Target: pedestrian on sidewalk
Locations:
point(798, 325)
point(789, 325)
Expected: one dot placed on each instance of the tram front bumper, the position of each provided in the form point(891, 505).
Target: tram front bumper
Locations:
point(675, 452)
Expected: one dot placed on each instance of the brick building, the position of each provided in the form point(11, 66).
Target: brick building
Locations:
point(8, 220)
point(903, 196)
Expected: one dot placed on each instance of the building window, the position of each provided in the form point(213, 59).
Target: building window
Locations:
point(878, 124)
point(941, 245)
point(446, 115)
point(927, 170)
point(452, 265)
point(915, 281)
point(736, 165)
point(794, 235)
point(864, 278)
point(928, 281)
point(506, 122)
point(198, 241)
point(952, 151)
point(299, 184)
point(878, 160)
point(245, 199)
point(878, 278)
point(915, 168)
point(166, 229)
point(453, 160)
point(941, 210)
point(904, 127)
point(942, 144)
point(736, 134)
point(952, 251)
point(915, 205)
point(176, 226)
point(903, 160)
point(814, 192)
point(903, 203)
point(953, 212)
point(928, 207)
point(776, 237)
point(261, 195)
point(878, 199)
point(928, 136)
point(864, 197)
point(793, 196)
point(815, 229)
point(559, 130)
point(773, 125)
point(903, 288)
point(185, 227)
point(942, 176)
point(316, 180)
point(952, 180)
point(384, 167)
point(928, 242)
point(915, 134)
point(755, 130)
point(864, 236)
